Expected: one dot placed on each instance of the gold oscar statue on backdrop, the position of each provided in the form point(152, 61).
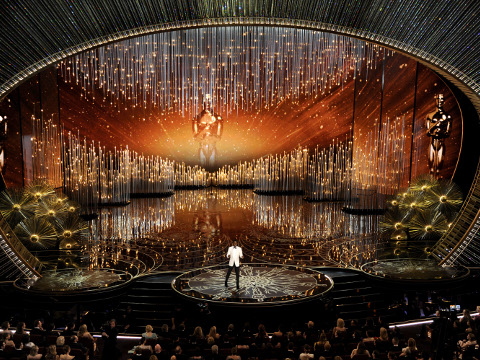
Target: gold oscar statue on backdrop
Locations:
point(207, 130)
point(438, 125)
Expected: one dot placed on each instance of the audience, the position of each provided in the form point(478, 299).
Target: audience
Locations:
point(361, 340)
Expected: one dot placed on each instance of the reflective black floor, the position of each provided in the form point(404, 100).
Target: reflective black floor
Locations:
point(192, 229)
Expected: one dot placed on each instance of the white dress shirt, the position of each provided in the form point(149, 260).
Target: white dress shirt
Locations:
point(234, 253)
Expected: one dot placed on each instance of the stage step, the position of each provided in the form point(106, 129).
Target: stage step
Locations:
point(353, 299)
point(353, 296)
point(146, 305)
point(351, 291)
point(350, 285)
point(152, 300)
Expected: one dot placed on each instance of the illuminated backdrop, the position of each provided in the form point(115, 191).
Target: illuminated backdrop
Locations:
point(276, 89)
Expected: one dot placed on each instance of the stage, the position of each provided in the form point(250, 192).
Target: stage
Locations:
point(260, 284)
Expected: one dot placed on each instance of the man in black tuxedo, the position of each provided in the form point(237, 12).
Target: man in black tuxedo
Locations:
point(38, 334)
point(74, 344)
point(38, 328)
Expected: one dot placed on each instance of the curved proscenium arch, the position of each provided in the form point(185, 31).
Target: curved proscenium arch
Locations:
point(441, 33)
point(438, 33)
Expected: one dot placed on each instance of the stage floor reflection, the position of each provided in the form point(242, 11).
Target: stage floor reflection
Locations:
point(192, 229)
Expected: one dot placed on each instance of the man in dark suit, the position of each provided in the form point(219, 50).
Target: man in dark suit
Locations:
point(38, 334)
point(37, 328)
point(109, 336)
point(74, 344)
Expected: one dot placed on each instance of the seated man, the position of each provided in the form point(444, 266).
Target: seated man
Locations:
point(74, 344)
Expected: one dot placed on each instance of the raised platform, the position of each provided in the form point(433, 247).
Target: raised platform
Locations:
point(260, 284)
point(72, 282)
point(424, 272)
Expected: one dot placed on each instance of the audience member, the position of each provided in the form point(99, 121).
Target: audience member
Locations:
point(179, 355)
point(87, 339)
point(18, 352)
point(21, 334)
point(214, 355)
point(34, 355)
point(411, 350)
point(360, 350)
point(66, 353)
point(51, 353)
point(69, 330)
point(74, 344)
point(233, 354)
point(340, 331)
point(149, 334)
point(382, 343)
point(395, 347)
point(7, 338)
point(306, 354)
point(60, 341)
point(213, 333)
point(5, 326)
point(109, 336)
point(160, 353)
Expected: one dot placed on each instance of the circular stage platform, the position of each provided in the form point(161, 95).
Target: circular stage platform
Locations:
point(424, 271)
point(260, 284)
point(74, 281)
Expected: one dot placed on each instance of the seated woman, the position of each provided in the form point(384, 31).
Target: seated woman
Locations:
point(382, 344)
point(213, 333)
point(465, 318)
point(234, 355)
point(230, 337)
point(34, 355)
point(60, 341)
point(470, 341)
point(361, 350)
point(149, 334)
point(85, 338)
point(340, 331)
point(411, 350)
point(51, 353)
point(261, 337)
point(7, 338)
point(197, 338)
point(319, 344)
point(21, 334)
